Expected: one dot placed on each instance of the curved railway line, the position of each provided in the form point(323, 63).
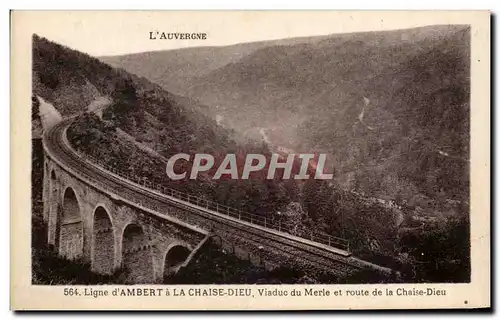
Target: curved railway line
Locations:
point(314, 254)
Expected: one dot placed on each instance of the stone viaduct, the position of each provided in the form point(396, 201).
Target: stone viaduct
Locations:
point(84, 222)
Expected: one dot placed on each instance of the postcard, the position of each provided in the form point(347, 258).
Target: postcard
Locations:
point(250, 160)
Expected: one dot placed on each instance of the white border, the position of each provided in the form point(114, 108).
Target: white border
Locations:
point(493, 5)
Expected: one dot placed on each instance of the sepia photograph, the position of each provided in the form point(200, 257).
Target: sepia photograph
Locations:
point(335, 157)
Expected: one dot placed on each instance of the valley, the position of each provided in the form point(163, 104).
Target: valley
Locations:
point(390, 109)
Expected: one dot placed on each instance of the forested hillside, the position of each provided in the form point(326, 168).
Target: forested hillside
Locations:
point(392, 107)
point(169, 124)
point(327, 120)
point(166, 123)
point(176, 70)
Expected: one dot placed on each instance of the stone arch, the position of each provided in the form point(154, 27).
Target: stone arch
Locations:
point(175, 256)
point(71, 236)
point(53, 196)
point(103, 241)
point(52, 203)
point(137, 260)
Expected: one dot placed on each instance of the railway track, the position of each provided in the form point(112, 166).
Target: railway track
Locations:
point(224, 226)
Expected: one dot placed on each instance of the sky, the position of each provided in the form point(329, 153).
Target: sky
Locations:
point(120, 32)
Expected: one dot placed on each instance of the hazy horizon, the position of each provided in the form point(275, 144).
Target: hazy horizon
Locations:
point(263, 40)
point(104, 34)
